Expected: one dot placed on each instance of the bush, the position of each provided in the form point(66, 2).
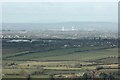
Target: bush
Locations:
point(99, 67)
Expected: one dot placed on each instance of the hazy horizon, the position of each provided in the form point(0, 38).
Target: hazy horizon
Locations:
point(53, 15)
point(99, 26)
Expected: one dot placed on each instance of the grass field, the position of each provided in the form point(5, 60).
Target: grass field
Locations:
point(53, 58)
point(69, 54)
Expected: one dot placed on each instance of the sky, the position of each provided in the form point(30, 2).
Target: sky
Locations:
point(52, 12)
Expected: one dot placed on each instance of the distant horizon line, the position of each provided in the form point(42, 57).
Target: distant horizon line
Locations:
point(60, 22)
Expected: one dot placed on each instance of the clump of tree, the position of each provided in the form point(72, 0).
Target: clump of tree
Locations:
point(86, 76)
point(99, 67)
point(11, 64)
point(51, 77)
point(102, 75)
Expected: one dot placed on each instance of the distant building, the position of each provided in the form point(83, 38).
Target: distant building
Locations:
point(73, 28)
point(63, 28)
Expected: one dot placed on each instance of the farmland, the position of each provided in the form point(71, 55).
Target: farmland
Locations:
point(59, 58)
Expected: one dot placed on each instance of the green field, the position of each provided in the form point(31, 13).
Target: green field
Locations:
point(51, 60)
point(68, 54)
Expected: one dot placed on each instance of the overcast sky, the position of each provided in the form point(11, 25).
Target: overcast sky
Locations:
point(52, 12)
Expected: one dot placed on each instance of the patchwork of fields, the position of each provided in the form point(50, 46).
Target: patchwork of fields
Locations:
point(62, 62)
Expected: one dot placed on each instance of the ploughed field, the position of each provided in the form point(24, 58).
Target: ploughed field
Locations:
point(59, 58)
